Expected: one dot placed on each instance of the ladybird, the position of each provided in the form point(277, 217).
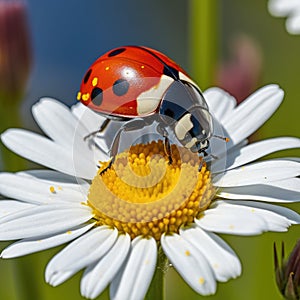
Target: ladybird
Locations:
point(133, 84)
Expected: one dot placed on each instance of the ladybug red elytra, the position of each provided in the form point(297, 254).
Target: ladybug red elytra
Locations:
point(132, 83)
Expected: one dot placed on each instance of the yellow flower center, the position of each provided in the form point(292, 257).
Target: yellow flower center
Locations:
point(142, 194)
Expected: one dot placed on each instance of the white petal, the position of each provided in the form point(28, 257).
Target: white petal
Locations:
point(60, 277)
point(58, 179)
point(292, 184)
point(241, 156)
point(36, 191)
point(287, 190)
point(293, 159)
point(50, 175)
point(219, 165)
point(89, 118)
point(235, 221)
point(246, 218)
point(261, 208)
point(42, 220)
point(56, 120)
point(133, 281)
point(47, 153)
point(31, 245)
point(223, 261)
point(220, 103)
point(218, 147)
point(97, 276)
point(109, 133)
point(293, 23)
point(85, 152)
point(62, 126)
point(190, 263)
point(281, 8)
point(93, 122)
point(247, 117)
point(82, 252)
point(10, 206)
point(258, 173)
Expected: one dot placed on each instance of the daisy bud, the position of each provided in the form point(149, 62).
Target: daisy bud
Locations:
point(288, 272)
point(15, 50)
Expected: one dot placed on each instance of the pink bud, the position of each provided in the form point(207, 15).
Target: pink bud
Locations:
point(15, 48)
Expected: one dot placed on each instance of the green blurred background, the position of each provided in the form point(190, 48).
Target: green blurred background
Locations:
point(67, 36)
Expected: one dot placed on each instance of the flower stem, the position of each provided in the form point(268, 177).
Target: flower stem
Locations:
point(157, 287)
point(156, 290)
point(203, 41)
point(24, 281)
point(10, 117)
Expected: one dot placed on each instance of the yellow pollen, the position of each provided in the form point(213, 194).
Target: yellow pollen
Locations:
point(94, 81)
point(142, 67)
point(187, 253)
point(201, 280)
point(52, 190)
point(79, 96)
point(69, 232)
point(107, 68)
point(142, 194)
point(85, 97)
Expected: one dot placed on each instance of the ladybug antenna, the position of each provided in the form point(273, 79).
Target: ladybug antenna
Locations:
point(224, 138)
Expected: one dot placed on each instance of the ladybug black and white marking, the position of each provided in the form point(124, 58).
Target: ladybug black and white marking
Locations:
point(132, 83)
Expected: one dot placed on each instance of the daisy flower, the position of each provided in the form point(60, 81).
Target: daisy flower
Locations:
point(289, 9)
point(120, 221)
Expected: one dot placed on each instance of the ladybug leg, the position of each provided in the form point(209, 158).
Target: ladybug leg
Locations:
point(102, 127)
point(108, 166)
point(168, 150)
point(128, 126)
point(201, 154)
point(113, 150)
point(167, 146)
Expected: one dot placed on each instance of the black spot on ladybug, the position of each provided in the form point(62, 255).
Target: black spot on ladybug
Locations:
point(171, 72)
point(97, 96)
point(116, 52)
point(120, 87)
point(87, 76)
